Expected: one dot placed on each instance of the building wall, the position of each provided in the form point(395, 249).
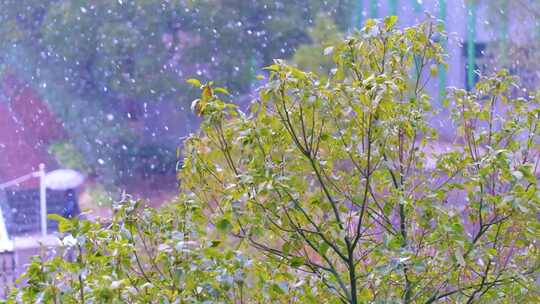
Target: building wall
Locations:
point(27, 128)
point(458, 17)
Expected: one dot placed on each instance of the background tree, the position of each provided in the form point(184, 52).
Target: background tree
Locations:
point(101, 63)
point(310, 56)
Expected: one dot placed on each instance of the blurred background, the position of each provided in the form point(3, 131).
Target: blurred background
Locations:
point(99, 86)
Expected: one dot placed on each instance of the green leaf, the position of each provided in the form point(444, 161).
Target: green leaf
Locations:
point(273, 68)
point(224, 225)
point(64, 224)
point(297, 261)
point(323, 248)
point(390, 21)
point(370, 23)
point(56, 217)
point(194, 82)
point(286, 247)
point(364, 295)
point(276, 289)
point(222, 90)
point(433, 70)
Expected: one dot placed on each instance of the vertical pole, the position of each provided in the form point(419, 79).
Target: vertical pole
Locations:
point(417, 6)
point(43, 200)
point(393, 7)
point(442, 68)
point(471, 37)
point(357, 15)
point(417, 9)
point(373, 12)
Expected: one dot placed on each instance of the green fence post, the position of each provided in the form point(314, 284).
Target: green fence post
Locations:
point(471, 48)
point(442, 68)
point(393, 7)
point(357, 14)
point(504, 32)
point(373, 11)
point(417, 6)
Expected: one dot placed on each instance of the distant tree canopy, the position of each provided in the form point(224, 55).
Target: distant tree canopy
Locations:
point(94, 58)
point(332, 188)
point(140, 49)
point(310, 56)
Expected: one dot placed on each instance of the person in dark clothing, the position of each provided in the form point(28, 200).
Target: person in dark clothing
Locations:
point(71, 208)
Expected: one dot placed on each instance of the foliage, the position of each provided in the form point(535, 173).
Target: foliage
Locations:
point(99, 196)
point(151, 256)
point(68, 156)
point(151, 158)
point(345, 179)
point(333, 191)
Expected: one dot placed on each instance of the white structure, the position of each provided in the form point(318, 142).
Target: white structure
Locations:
point(6, 245)
point(62, 179)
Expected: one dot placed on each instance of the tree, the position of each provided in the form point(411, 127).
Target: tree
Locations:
point(342, 179)
point(335, 191)
point(99, 59)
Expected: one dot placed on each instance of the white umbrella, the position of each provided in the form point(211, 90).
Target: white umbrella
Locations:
point(63, 179)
